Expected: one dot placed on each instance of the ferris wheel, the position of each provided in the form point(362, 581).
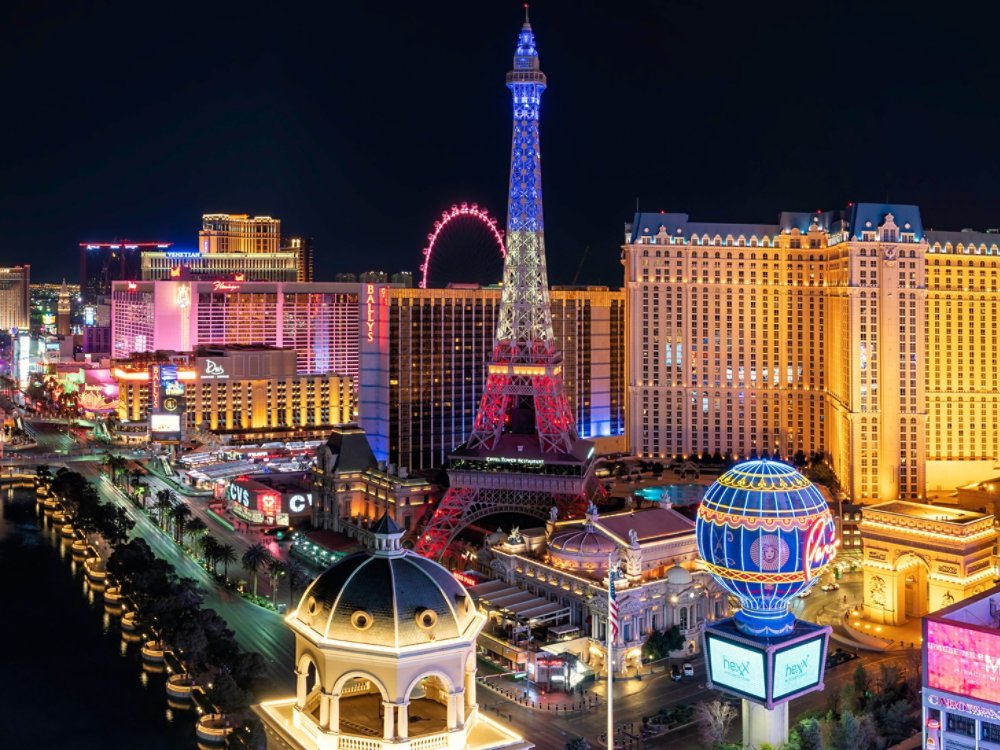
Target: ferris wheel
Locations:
point(465, 247)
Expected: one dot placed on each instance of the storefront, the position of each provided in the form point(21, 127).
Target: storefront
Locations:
point(961, 692)
point(261, 504)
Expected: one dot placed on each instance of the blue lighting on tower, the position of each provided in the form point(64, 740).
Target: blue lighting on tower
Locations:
point(526, 83)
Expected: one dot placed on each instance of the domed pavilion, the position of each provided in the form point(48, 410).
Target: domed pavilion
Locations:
point(385, 656)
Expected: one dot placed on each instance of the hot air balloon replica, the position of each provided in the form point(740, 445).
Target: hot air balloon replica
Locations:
point(766, 534)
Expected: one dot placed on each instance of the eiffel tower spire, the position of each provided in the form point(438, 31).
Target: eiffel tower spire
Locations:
point(524, 453)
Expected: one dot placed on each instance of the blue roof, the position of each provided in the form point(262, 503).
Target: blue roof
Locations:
point(862, 213)
point(962, 238)
point(649, 224)
point(852, 221)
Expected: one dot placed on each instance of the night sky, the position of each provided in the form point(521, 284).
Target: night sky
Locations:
point(358, 123)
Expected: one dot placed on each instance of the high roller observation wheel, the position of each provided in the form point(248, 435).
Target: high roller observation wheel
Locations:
point(458, 211)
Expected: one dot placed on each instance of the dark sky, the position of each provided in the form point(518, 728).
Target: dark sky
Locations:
point(357, 123)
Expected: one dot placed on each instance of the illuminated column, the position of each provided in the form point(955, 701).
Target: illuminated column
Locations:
point(300, 688)
point(454, 722)
point(470, 688)
point(764, 725)
point(334, 712)
point(388, 730)
point(404, 725)
point(324, 709)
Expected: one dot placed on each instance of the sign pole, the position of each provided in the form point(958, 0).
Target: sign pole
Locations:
point(610, 633)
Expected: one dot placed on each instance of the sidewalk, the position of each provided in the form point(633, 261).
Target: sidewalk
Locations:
point(588, 695)
point(183, 489)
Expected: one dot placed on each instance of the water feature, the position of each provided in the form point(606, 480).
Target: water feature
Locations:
point(678, 494)
point(69, 680)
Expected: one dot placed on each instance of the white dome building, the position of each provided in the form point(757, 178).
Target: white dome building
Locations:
point(385, 649)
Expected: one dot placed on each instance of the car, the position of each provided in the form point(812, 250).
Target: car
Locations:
point(804, 594)
point(688, 669)
point(675, 673)
point(830, 586)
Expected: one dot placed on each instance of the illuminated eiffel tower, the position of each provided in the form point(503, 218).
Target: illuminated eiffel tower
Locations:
point(524, 454)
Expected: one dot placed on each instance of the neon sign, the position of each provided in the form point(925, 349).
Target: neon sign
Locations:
point(370, 312)
point(132, 286)
point(465, 579)
point(821, 547)
point(224, 286)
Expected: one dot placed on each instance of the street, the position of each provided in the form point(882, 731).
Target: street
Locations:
point(264, 631)
point(257, 629)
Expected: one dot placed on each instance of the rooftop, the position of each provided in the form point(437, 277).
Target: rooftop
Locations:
point(651, 524)
point(922, 512)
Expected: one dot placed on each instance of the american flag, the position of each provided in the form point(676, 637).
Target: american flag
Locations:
point(612, 605)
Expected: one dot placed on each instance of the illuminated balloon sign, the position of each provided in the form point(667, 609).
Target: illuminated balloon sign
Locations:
point(765, 534)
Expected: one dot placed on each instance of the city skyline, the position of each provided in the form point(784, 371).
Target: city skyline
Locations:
point(275, 138)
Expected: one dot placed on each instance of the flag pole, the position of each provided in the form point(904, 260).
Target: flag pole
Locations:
point(611, 630)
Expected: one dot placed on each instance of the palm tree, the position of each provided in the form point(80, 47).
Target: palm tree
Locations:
point(226, 554)
point(180, 514)
point(164, 504)
point(141, 492)
point(210, 551)
point(275, 570)
point(195, 528)
point(254, 559)
point(298, 576)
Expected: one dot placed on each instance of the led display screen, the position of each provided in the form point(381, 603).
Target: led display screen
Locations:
point(963, 661)
point(165, 427)
point(736, 667)
point(797, 668)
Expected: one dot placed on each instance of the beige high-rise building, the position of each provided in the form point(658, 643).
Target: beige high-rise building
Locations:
point(14, 303)
point(239, 233)
point(854, 334)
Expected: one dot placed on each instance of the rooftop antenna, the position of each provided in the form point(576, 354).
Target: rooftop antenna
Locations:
point(526, 19)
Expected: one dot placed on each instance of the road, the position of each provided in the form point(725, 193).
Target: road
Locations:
point(257, 629)
point(265, 632)
point(551, 732)
point(240, 541)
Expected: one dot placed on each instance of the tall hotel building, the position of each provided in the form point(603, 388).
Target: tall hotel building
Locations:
point(855, 333)
point(15, 306)
point(423, 367)
point(281, 266)
point(239, 233)
point(319, 321)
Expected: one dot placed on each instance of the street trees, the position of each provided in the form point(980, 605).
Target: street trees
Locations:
point(659, 644)
point(253, 560)
point(275, 570)
point(179, 514)
point(714, 719)
point(209, 546)
point(195, 529)
point(226, 555)
point(164, 502)
point(298, 577)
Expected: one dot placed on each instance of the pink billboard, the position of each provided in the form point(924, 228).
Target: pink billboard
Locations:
point(963, 661)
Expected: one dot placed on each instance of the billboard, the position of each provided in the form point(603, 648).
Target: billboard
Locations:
point(736, 667)
point(769, 671)
point(256, 502)
point(165, 428)
point(963, 661)
point(166, 399)
point(797, 668)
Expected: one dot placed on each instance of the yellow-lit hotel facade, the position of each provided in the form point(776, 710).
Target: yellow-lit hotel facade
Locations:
point(856, 334)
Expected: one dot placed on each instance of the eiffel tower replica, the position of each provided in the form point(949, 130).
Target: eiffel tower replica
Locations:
point(524, 454)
